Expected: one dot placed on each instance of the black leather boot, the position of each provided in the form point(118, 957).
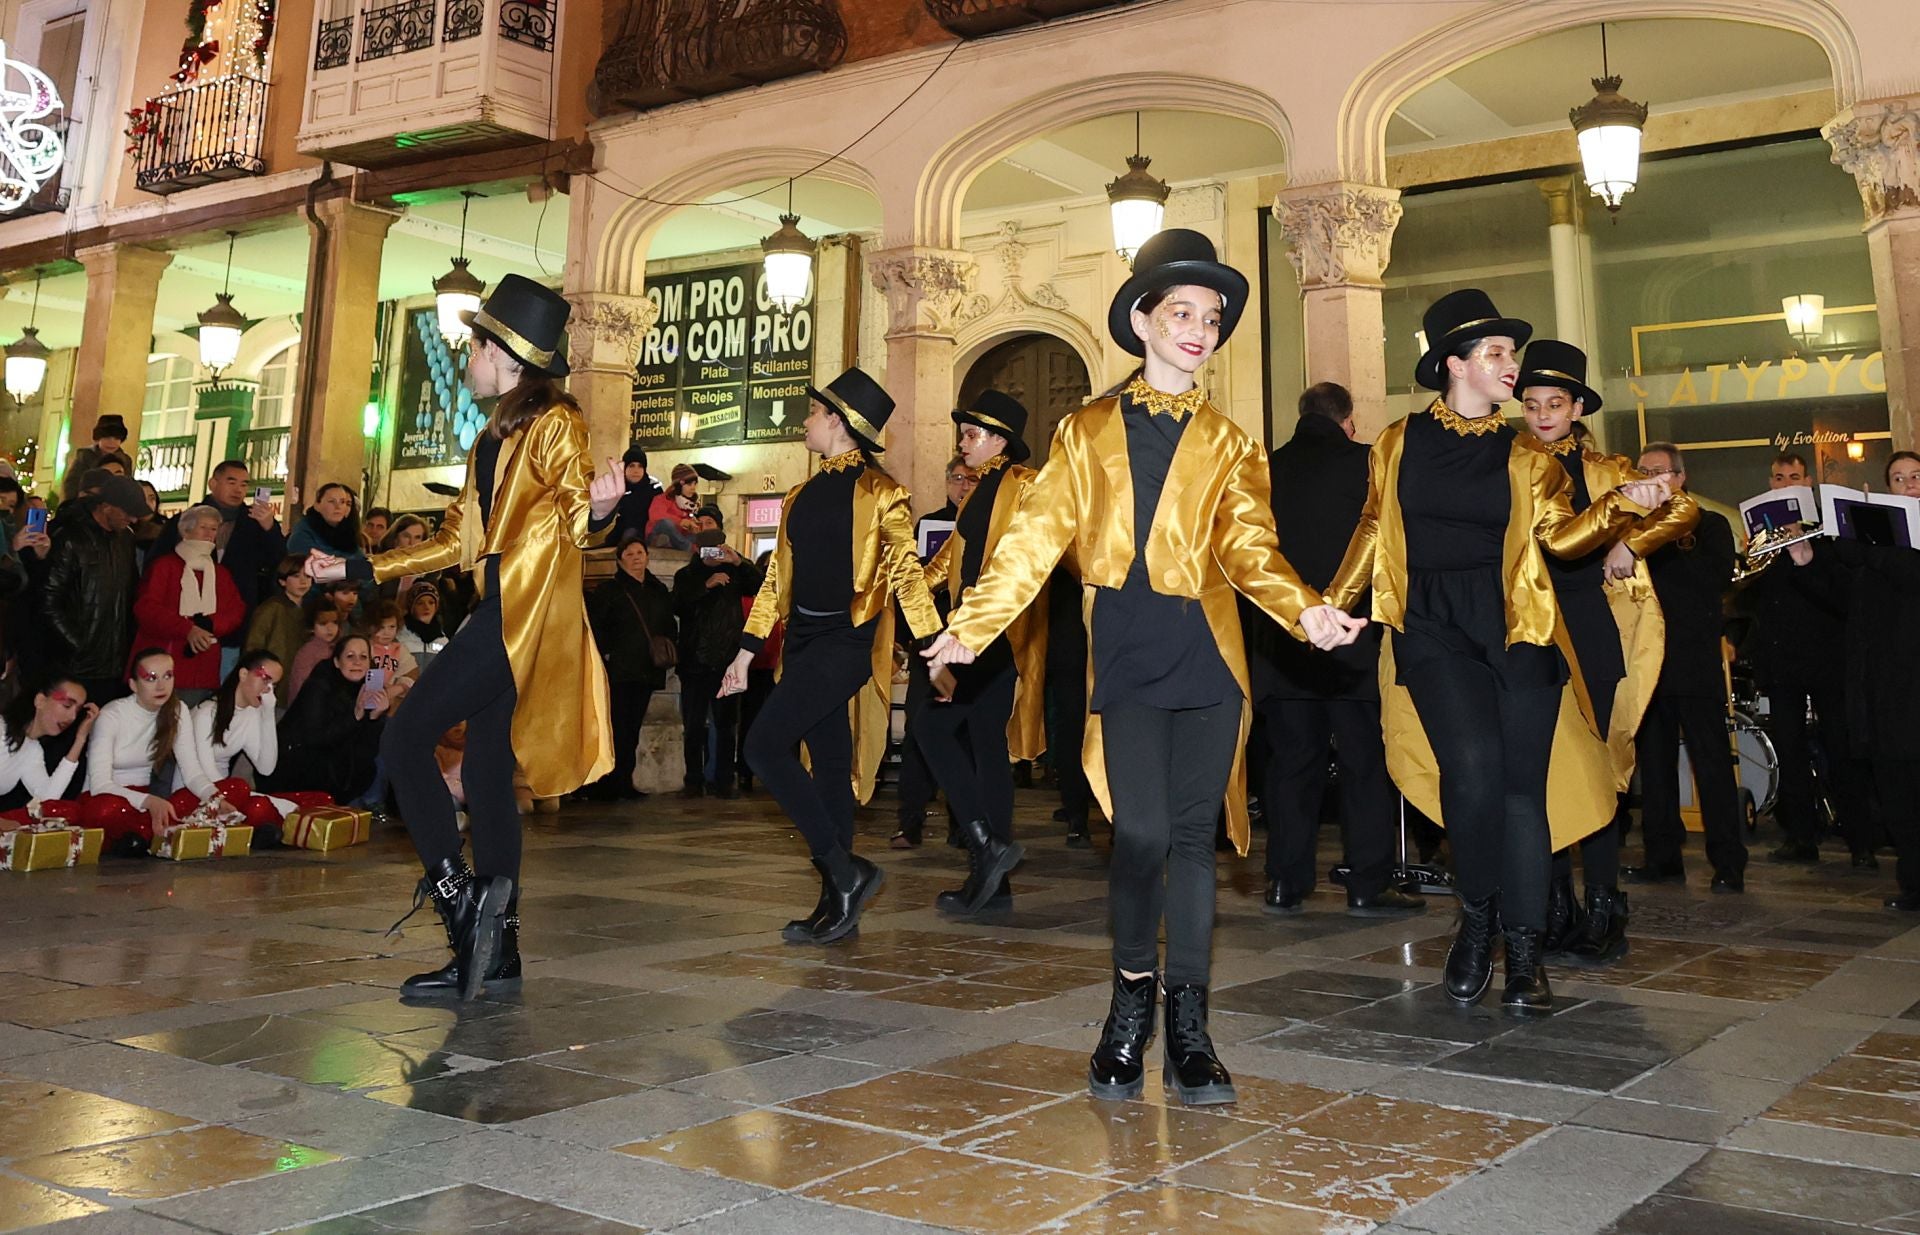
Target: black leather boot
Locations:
point(506, 968)
point(1117, 1069)
point(988, 863)
point(1604, 939)
point(851, 882)
point(1527, 991)
point(1192, 1069)
point(473, 910)
point(800, 930)
point(1470, 960)
point(1565, 920)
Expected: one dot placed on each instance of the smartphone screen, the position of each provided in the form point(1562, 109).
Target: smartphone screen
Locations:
point(37, 520)
point(710, 553)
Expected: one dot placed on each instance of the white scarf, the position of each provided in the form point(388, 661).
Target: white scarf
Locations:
point(197, 593)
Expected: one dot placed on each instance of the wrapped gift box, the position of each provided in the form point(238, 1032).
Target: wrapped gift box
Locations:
point(187, 842)
point(329, 827)
point(50, 847)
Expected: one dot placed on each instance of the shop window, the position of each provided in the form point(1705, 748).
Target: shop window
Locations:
point(168, 411)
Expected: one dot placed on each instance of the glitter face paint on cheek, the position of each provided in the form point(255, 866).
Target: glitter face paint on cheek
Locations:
point(1163, 320)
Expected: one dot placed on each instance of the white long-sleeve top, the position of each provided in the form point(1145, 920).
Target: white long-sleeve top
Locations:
point(251, 732)
point(121, 750)
point(28, 766)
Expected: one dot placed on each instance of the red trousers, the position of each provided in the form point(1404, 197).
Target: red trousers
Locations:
point(120, 819)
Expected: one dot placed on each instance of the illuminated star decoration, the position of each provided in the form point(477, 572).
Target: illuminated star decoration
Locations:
point(30, 153)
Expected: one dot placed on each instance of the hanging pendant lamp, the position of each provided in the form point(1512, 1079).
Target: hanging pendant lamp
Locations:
point(1137, 201)
point(26, 366)
point(220, 326)
point(458, 290)
point(787, 259)
point(1608, 128)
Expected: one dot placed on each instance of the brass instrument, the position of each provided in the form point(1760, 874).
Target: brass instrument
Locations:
point(1763, 550)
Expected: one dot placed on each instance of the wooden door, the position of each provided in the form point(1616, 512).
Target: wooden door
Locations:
point(1043, 373)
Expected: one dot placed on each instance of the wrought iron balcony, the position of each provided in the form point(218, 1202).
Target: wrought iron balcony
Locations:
point(395, 28)
point(265, 453)
point(970, 18)
point(202, 133)
point(670, 52)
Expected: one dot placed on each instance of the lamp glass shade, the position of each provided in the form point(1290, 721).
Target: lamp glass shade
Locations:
point(1608, 128)
point(787, 264)
point(1806, 316)
point(456, 292)
point(1138, 202)
point(220, 329)
point(26, 367)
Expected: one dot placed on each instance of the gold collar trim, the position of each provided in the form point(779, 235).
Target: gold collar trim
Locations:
point(1492, 422)
point(1562, 448)
point(991, 465)
point(1160, 403)
point(842, 461)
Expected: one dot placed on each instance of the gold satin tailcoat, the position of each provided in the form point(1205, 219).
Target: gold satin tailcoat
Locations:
point(1027, 727)
point(561, 730)
point(1636, 611)
point(1212, 533)
point(1580, 778)
point(885, 565)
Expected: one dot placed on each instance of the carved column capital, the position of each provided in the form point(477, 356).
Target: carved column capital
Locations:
point(606, 329)
point(929, 291)
point(1878, 143)
point(1338, 234)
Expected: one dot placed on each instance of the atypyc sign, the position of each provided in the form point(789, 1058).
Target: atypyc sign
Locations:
point(721, 364)
point(30, 152)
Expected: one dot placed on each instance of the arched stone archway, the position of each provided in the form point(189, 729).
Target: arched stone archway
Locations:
point(955, 165)
point(1048, 374)
point(1371, 99)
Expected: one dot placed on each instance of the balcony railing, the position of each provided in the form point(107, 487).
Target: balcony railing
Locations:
point(333, 46)
point(465, 19)
point(970, 18)
point(208, 132)
point(264, 451)
point(668, 53)
point(166, 463)
point(396, 28)
point(529, 22)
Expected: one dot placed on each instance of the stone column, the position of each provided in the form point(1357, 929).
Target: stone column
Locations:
point(1573, 302)
point(1339, 238)
point(603, 340)
point(929, 293)
point(116, 334)
point(1878, 142)
point(339, 347)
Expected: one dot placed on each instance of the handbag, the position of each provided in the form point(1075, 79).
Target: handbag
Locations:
point(666, 653)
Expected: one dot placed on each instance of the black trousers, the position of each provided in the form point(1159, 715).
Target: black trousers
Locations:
point(1298, 734)
point(699, 702)
point(1492, 747)
point(916, 787)
point(1701, 722)
point(1167, 772)
point(1847, 778)
point(826, 662)
point(470, 681)
point(1898, 781)
point(1067, 701)
point(965, 741)
point(627, 703)
point(759, 686)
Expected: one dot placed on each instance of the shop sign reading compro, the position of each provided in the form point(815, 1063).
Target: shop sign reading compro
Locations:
point(721, 364)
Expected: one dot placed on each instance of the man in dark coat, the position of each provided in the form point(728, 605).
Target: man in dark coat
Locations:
point(86, 600)
point(1690, 702)
point(706, 599)
point(250, 544)
point(1309, 699)
point(631, 514)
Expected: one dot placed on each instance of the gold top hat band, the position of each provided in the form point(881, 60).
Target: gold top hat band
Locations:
point(1006, 430)
point(517, 343)
point(1478, 321)
point(1565, 377)
point(861, 424)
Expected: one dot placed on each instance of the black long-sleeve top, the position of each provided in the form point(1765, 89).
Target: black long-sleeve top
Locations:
point(820, 538)
point(972, 523)
point(1454, 495)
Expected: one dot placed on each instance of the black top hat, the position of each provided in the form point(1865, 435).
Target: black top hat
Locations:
point(859, 401)
point(1172, 258)
point(1549, 362)
point(1461, 317)
point(109, 426)
point(529, 320)
point(1002, 414)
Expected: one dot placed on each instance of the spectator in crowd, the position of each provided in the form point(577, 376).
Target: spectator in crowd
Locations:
point(389, 654)
point(23, 636)
point(373, 527)
point(12, 498)
point(631, 614)
point(916, 788)
point(1313, 700)
point(330, 736)
point(457, 598)
point(707, 592)
point(1689, 701)
point(279, 623)
point(422, 633)
point(406, 532)
point(133, 768)
point(250, 543)
point(86, 600)
point(762, 672)
point(109, 436)
point(670, 520)
point(187, 603)
point(329, 623)
point(43, 737)
point(329, 526)
point(239, 720)
point(638, 500)
point(114, 467)
point(1795, 647)
point(148, 527)
point(341, 594)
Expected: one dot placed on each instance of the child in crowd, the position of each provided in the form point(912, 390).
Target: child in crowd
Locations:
point(237, 721)
point(328, 623)
point(343, 595)
point(279, 622)
point(133, 768)
point(389, 654)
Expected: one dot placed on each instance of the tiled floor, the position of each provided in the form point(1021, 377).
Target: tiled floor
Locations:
point(218, 1047)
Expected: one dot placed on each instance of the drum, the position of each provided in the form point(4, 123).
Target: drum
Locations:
point(1756, 771)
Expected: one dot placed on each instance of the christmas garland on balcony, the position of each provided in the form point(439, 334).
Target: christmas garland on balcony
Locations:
point(145, 121)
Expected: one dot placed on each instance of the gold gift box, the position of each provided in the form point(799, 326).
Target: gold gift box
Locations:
point(53, 849)
point(190, 844)
point(329, 827)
